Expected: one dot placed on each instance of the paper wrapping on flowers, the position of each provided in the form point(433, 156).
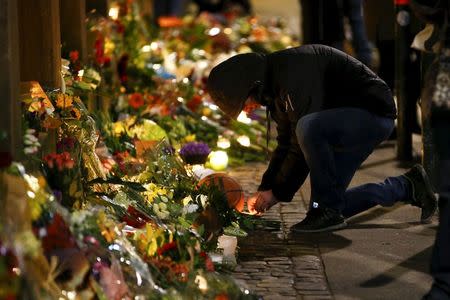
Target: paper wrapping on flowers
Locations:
point(88, 138)
point(15, 214)
point(17, 191)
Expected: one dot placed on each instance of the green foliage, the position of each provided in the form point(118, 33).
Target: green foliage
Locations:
point(115, 142)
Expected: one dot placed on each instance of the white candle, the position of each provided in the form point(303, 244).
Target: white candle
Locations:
point(218, 160)
point(228, 244)
point(243, 118)
point(223, 143)
point(244, 140)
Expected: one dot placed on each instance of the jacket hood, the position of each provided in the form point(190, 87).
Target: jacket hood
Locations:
point(231, 82)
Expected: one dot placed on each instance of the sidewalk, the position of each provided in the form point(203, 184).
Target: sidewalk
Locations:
point(383, 254)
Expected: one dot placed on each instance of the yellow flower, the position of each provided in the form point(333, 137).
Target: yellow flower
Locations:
point(35, 210)
point(153, 190)
point(106, 227)
point(190, 138)
point(118, 128)
point(150, 241)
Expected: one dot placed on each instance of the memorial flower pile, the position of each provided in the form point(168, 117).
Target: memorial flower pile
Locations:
point(107, 205)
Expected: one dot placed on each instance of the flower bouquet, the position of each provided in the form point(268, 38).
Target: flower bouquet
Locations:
point(195, 152)
point(63, 175)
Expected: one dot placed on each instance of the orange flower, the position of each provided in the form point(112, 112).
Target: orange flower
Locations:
point(222, 297)
point(64, 101)
point(136, 100)
point(51, 123)
point(60, 161)
point(167, 22)
point(75, 113)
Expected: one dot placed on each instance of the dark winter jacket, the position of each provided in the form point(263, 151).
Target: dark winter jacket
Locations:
point(293, 83)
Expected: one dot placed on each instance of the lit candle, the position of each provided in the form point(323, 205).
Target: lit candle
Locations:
point(81, 74)
point(243, 118)
point(201, 282)
point(114, 13)
point(146, 48)
point(223, 143)
point(244, 140)
point(218, 160)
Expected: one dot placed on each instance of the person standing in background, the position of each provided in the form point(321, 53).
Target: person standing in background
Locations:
point(435, 38)
point(168, 8)
point(220, 6)
point(323, 23)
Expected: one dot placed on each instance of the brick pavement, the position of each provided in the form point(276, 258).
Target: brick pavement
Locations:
point(273, 263)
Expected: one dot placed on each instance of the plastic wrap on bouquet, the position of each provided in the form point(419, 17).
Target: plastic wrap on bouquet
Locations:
point(134, 268)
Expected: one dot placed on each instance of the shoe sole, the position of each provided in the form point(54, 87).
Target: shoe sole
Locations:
point(329, 228)
point(430, 193)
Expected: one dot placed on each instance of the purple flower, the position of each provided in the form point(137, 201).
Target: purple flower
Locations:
point(58, 195)
point(195, 148)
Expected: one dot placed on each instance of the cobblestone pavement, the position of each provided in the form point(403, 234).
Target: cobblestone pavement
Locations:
point(273, 263)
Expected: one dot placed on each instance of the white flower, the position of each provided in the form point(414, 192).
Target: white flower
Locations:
point(203, 200)
point(30, 150)
point(31, 142)
point(187, 200)
point(78, 217)
point(190, 208)
point(160, 209)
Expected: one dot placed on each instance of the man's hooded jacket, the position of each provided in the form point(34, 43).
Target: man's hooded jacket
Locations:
point(292, 83)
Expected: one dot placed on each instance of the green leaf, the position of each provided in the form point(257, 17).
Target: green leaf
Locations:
point(116, 180)
point(235, 231)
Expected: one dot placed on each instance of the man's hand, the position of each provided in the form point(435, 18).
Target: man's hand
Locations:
point(261, 201)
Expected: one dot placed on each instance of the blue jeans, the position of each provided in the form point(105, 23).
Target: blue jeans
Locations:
point(323, 23)
point(335, 142)
point(353, 9)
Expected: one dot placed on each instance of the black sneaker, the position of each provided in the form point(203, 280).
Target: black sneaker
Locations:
point(320, 219)
point(422, 192)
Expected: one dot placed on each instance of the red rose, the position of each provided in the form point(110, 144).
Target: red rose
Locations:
point(74, 55)
point(136, 100)
point(194, 103)
point(135, 218)
point(167, 247)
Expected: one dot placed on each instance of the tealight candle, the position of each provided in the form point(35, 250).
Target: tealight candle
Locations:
point(223, 143)
point(218, 160)
point(228, 244)
point(244, 140)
